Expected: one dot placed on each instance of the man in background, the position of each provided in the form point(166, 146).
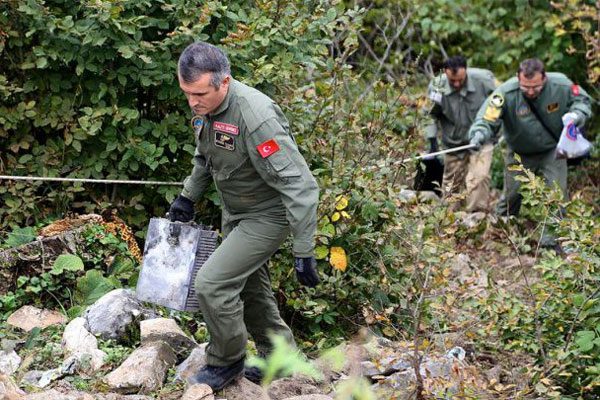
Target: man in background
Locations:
point(457, 95)
point(532, 106)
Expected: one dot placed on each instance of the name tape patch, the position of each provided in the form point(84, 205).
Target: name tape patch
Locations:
point(267, 148)
point(227, 128)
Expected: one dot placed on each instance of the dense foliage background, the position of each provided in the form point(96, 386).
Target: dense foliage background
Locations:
point(89, 91)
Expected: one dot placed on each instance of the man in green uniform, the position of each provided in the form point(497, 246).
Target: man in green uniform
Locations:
point(456, 96)
point(244, 145)
point(532, 107)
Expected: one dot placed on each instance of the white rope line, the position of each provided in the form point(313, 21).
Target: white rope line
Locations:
point(41, 178)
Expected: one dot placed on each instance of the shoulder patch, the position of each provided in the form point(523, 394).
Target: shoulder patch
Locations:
point(497, 100)
point(575, 90)
point(197, 125)
point(491, 113)
point(523, 110)
point(267, 148)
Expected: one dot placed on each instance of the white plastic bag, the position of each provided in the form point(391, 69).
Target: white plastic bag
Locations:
point(571, 144)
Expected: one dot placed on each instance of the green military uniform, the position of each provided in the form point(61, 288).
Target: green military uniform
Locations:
point(524, 133)
point(453, 112)
point(266, 191)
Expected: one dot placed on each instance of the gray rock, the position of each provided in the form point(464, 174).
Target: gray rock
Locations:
point(167, 330)
point(83, 348)
point(408, 196)
point(144, 370)
point(9, 362)
point(113, 313)
point(54, 394)
point(473, 220)
point(288, 387)
point(195, 361)
point(29, 317)
point(368, 368)
point(76, 337)
point(198, 392)
point(116, 396)
point(428, 196)
point(461, 264)
point(243, 389)
point(32, 378)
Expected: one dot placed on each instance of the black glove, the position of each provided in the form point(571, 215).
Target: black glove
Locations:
point(433, 145)
point(306, 271)
point(182, 209)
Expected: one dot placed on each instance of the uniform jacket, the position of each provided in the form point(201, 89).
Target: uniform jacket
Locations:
point(453, 110)
point(523, 132)
point(246, 148)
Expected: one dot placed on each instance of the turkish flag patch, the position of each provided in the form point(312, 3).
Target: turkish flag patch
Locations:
point(267, 148)
point(575, 90)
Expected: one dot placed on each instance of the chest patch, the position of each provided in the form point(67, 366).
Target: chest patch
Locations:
point(224, 141)
point(197, 125)
point(227, 128)
point(523, 110)
point(553, 107)
point(575, 90)
point(267, 148)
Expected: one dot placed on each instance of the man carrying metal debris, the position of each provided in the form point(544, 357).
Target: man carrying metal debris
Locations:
point(244, 145)
point(457, 95)
point(533, 106)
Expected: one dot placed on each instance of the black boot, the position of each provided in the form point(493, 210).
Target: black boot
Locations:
point(253, 374)
point(218, 377)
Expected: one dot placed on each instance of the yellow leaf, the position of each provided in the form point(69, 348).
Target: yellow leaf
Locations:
point(341, 203)
point(337, 258)
point(345, 215)
point(336, 216)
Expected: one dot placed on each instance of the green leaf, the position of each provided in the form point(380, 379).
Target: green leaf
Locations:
point(20, 237)
point(67, 262)
point(321, 252)
point(585, 340)
point(92, 286)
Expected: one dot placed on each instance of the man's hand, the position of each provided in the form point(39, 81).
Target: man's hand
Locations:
point(306, 271)
point(570, 117)
point(182, 209)
point(478, 139)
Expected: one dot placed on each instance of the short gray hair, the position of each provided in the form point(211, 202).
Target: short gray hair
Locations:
point(201, 57)
point(529, 67)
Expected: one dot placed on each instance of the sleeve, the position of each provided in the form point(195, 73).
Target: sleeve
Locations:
point(274, 154)
point(195, 184)
point(489, 116)
point(432, 111)
point(579, 102)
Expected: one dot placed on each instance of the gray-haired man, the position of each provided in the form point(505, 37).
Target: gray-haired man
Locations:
point(244, 145)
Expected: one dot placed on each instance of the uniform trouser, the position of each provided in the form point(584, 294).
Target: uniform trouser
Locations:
point(544, 164)
point(471, 172)
point(234, 289)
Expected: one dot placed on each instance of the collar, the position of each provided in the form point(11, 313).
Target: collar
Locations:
point(226, 101)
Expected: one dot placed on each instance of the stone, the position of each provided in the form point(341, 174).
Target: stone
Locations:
point(408, 196)
point(428, 196)
point(8, 389)
point(461, 264)
point(55, 394)
point(195, 361)
point(198, 391)
point(9, 362)
point(116, 396)
point(144, 370)
point(168, 331)
point(472, 220)
point(113, 313)
point(243, 389)
point(83, 348)
point(32, 378)
point(289, 387)
point(29, 317)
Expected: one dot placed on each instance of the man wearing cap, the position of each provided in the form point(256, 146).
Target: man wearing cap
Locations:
point(456, 96)
point(243, 145)
point(532, 106)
